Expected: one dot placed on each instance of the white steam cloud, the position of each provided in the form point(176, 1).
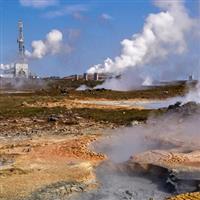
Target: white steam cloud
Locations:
point(155, 134)
point(175, 132)
point(38, 3)
point(52, 45)
point(164, 34)
point(148, 81)
point(194, 94)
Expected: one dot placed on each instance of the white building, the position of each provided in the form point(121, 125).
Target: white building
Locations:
point(16, 70)
point(21, 70)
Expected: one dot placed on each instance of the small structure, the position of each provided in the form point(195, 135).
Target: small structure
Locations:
point(76, 77)
point(21, 70)
point(85, 76)
point(89, 77)
point(190, 78)
point(96, 76)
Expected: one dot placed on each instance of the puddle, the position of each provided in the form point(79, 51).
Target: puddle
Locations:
point(150, 104)
point(117, 183)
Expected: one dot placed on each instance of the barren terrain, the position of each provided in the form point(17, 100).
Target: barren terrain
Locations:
point(45, 150)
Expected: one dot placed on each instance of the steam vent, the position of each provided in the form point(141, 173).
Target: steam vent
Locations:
point(113, 111)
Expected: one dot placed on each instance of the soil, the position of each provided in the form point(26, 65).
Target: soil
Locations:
point(34, 163)
point(45, 140)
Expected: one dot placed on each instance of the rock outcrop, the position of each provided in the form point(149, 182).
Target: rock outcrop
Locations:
point(180, 170)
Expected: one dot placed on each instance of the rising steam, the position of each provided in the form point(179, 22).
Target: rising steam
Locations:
point(163, 34)
point(177, 131)
point(52, 45)
point(194, 94)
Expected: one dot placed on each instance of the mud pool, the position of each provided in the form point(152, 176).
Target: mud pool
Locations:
point(118, 184)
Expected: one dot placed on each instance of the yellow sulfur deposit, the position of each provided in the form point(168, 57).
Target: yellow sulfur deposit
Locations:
point(187, 196)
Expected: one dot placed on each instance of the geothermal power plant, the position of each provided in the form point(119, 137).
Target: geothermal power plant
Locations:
point(125, 128)
point(20, 68)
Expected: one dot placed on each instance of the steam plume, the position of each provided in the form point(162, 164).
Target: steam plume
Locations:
point(173, 132)
point(38, 3)
point(53, 44)
point(194, 94)
point(163, 34)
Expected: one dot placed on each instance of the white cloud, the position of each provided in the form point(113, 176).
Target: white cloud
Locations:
point(163, 34)
point(52, 45)
point(73, 10)
point(106, 17)
point(38, 3)
point(165, 38)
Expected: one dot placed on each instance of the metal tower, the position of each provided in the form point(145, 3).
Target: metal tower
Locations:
point(20, 40)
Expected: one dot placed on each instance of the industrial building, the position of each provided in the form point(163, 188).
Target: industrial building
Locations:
point(20, 68)
point(90, 77)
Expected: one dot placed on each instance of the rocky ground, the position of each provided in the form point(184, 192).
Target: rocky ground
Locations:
point(38, 155)
point(45, 150)
point(186, 196)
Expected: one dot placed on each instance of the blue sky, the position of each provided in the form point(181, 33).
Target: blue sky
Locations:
point(93, 29)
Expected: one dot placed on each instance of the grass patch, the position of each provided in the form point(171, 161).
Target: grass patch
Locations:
point(159, 92)
point(120, 117)
point(12, 107)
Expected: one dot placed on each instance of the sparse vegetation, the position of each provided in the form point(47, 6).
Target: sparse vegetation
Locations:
point(120, 117)
point(12, 105)
point(51, 122)
point(48, 87)
point(15, 107)
point(159, 92)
